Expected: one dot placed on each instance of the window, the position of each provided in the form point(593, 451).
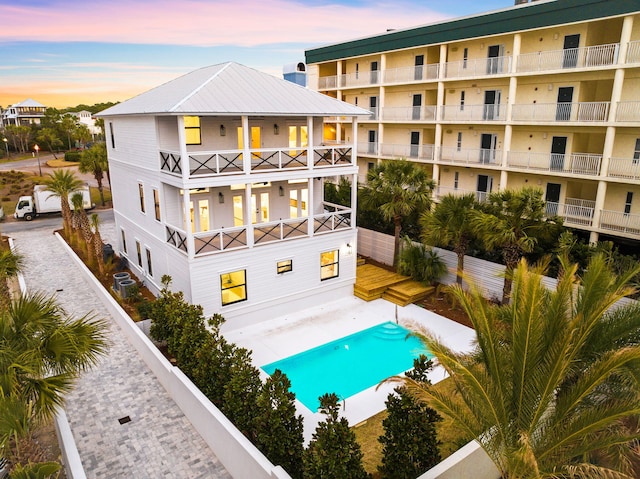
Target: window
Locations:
point(149, 267)
point(459, 143)
point(462, 101)
point(636, 152)
point(329, 264)
point(284, 266)
point(139, 252)
point(156, 203)
point(192, 130)
point(233, 287)
point(370, 165)
point(124, 241)
point(627, 203)
point(113, 138)
point(456, 179)
point(141, 194)
point(465, 57)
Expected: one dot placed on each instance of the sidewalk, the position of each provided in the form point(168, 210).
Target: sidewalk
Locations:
point(158, 442)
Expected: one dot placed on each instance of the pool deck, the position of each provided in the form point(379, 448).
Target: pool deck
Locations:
point(287, 335)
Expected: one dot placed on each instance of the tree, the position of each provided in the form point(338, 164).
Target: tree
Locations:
point(61, 183)
point(538, 394)
point(49, 137)
point(43, 351)
point(68, 124)
point(397, 188)
point(333, 452)
point(512, 221)
point(410, 442)
point(96, 241)
point(10, 265)
point(421, 263)
point(82, 224)
point(448, 225)
point(94, 161)
point(278, 428)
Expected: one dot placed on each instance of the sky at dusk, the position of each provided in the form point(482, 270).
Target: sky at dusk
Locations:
point(65, 52)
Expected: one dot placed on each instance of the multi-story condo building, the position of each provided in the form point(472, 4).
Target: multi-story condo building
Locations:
point(544, 94)
point(27, 112)
point(217, 181)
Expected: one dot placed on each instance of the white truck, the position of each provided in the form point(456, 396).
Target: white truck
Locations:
point(43, 202)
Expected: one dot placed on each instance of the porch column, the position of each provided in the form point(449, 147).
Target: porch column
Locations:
point(597, 210)
point(186, 197)
point(248, 222)
point(311, 144)
point(312, 204)
point(246, 146)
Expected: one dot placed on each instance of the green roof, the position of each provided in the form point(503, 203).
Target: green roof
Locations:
point(522, 17)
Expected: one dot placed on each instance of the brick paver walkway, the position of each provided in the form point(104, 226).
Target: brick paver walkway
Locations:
point(159, 442)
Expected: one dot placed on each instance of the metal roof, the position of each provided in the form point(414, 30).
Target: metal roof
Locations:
point(232, 89)
point(28, 103)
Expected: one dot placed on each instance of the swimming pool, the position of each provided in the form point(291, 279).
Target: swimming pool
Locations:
point(351, 364)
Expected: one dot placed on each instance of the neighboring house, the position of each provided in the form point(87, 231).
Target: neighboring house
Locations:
point(295, 73)
point(86, 118)
point(543, 94)
point(27, 112)
point(218, 181)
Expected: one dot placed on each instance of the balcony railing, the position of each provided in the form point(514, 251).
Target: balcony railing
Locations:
point(280, 230)
point(575, 211)
point(473, 112)
point(368, 148)
point(450, 190)
point(597, 111)
point(336, 217)
point(222, 239)
point(410, 74)
point(477, 67)
point(409, 113)
point(585, 57)
point(177, 238)
point(475, 156)
point(265, 159)
point(628, 111)
point(628, 168)
point(415, 152)
point(633, 52)
point(576, 163)
point(620, 222)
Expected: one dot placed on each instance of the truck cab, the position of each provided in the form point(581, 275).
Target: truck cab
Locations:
point(25, 208)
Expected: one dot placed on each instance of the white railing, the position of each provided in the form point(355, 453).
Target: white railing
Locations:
point(576, 163)
point(585, 57)
point(409, 113)
point(574, 211)
point(473, 112)
point(336, 217)
point(628, 168)
point(222, 239)
point(633, 52)
point(620, 222)
point(368, 148)
point(264, 233)
point(478, 67)
point(374, 112)
point(328, 82)
point(410, 74)
point(628, 111)
point(177, 238)
point(332, 155)
point(414, 152)
point(450, 190)
point(597, 111)
point(482, 156)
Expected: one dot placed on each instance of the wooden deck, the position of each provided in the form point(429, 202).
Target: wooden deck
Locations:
point(373, 282)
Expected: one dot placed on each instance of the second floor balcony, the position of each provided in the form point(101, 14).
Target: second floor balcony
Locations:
point(597, 111)
point(471, 156)
point(573, 163)
point(574, 211)
point(624, 168)
point(409, 113)
point(482, 112)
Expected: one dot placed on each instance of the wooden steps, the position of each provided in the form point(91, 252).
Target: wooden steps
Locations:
point(373, 282)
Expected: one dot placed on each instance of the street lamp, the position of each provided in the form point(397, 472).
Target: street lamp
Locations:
point(37, 148)
point(6, 145)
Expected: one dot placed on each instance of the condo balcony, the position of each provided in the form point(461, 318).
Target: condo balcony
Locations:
point(441, 191)
point(412, 152)
point(574, 211)
point(624, 168)
point(621, 223)
point(419, 73)
point(586, 57)
point(596, 111)
point(628, 111)
point(571, 163)
point(409, 113)
point(478, 67)
point(481, 112)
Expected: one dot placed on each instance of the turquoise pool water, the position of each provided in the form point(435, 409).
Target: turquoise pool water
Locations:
point(351, 364)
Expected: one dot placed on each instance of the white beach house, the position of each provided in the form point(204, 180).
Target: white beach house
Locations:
point(218, 181)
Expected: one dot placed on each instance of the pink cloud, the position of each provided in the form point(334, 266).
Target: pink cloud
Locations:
point(204, 23)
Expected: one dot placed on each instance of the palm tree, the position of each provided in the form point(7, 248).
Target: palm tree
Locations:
point(94, 161)
point(512, 221)
point(10, 265)
point(61, 183)
point(82, 223)
point(397, 188)
point(96, 241)
point(540, 401)
point(448, 225)
point(43, 352)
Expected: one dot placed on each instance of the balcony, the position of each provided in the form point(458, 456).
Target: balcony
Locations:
point(574, 163)
point(411, 74)
point(478, 67)
point(628, 111)
point(450, 190)
point(620, 222)
point(473, 113)
point(597, 111)
point(574, 211)
point(410, 113)
point(232, 162)
point(627, 168)
point(585, 57)
point(633, 52)
point(368, 148)
point(333, 218)
point(413, 152)
point(470, 156)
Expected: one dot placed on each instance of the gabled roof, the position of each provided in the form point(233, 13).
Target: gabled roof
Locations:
point(28, 103)
point(232, 89)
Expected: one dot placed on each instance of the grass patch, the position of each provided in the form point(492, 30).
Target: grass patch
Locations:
point(95, 196)
point(368, 432)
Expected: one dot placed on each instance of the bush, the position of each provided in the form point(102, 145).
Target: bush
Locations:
point(72, 156)
point(421, 263)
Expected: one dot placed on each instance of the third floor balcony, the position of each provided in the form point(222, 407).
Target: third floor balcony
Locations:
point(596, 111)
point(571, 163)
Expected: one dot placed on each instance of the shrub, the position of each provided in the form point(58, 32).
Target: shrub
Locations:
point(72, 156)
point(421, 263)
